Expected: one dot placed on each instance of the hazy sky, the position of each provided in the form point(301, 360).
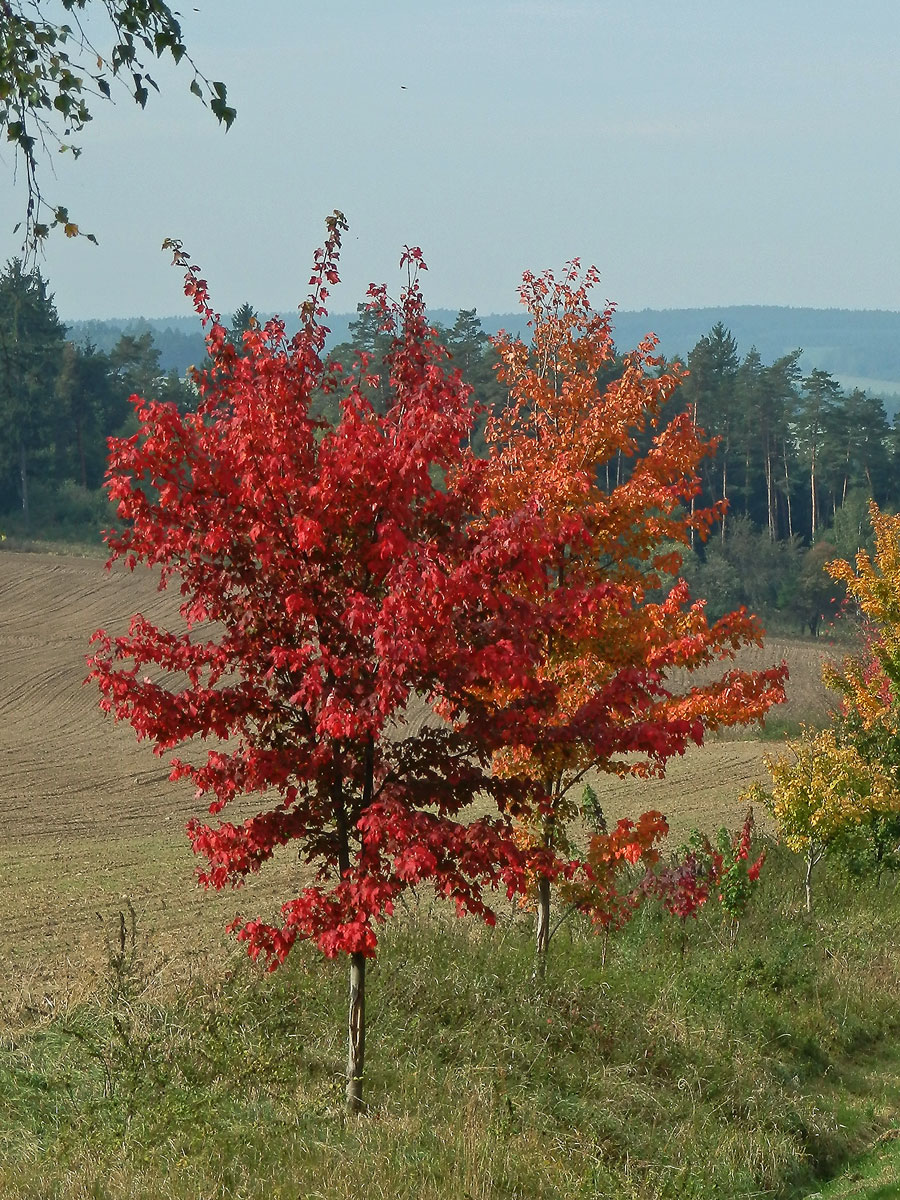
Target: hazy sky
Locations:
point(699, 152)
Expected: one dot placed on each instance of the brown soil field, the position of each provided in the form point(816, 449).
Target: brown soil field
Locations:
point(90, 817)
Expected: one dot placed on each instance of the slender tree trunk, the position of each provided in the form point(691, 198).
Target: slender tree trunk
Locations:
point(23, 484)
point(787, 491)
point(693, 498)
point(810, 863)
point(771, 507)
point(542, 938)
point(356, 1023)
point(542, 928)
point(356, 1040)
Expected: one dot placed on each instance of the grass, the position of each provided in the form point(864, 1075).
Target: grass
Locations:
point(874, 1177)
point(716, 1072)
point(79, 546)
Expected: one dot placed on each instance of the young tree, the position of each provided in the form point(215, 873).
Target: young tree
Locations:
point(623, 666)
point(825, 797)
point(813, 594)
point(839, 791)
point(327, 574)
point(869, 683)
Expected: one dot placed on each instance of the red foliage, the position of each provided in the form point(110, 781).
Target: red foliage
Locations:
point(327, 576)
point(598, 889)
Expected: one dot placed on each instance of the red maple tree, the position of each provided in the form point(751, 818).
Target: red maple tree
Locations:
point(631, 659)
point(328, 575)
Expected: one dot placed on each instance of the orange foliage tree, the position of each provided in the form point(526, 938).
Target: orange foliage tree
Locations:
point(612, 487)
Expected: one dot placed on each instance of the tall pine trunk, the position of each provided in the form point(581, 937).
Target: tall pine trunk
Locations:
point(771, 504)
point(787, 489)
point(814, 519)
point(23, 484)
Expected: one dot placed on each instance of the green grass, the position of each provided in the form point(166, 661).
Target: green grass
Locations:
point(79, 546)
point(876, 1176)
point(778, 729)
point(691, 1073)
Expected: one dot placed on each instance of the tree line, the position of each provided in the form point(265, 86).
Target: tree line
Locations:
point(797, 457)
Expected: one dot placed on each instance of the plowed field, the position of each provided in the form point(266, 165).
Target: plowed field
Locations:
point(89, 816)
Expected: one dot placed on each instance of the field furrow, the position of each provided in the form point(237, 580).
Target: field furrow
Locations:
point(89, 814)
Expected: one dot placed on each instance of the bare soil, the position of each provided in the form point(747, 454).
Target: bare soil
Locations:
point(90, 817)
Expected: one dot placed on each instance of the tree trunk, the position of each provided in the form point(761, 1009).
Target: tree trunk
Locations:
point(82, 461)
point(771, 506)
point(542, 940)
point(810, 863)
point(356, 1017)
point(356, 1041)
point(23, 484)
point(787, 491)
point(693, 498)
point(542, 933)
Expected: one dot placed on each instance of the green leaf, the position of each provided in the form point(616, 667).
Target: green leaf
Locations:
point(222, 112)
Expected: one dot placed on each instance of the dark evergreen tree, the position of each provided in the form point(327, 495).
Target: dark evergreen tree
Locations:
point(709, 391)
point(472, 351)
point(245, 317)
point(778, 414)
point(31, 344)
point(90, 406)
point(819, 396)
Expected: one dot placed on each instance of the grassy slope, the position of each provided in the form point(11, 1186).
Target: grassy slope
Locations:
point(181, 1072)
point(717, 1073)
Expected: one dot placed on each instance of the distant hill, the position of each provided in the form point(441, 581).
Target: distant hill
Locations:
point(860, 347)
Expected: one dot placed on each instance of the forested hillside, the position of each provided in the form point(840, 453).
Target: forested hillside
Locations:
point(859, 347)
point(799, 452)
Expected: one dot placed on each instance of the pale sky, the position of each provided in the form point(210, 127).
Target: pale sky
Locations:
point(699, 152)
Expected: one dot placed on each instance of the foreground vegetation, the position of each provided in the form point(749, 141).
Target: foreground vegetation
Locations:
point(684, 1067)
